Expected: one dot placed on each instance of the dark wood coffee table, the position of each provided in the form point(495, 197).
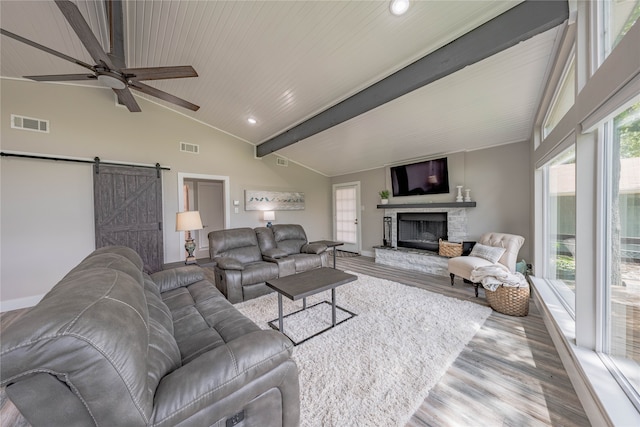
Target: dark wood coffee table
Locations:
point(301, 285)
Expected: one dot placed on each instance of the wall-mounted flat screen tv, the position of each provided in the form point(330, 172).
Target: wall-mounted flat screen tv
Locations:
point(427, 177)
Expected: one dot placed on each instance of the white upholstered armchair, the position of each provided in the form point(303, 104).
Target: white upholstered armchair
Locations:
point(491, 249)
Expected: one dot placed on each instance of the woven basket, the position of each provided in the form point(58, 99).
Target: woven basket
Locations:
point(509, 300)
point(449, 249)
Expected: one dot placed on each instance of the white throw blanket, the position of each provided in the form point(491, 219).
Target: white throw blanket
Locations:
point(492, 276)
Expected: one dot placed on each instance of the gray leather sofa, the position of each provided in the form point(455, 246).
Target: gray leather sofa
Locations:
point(246, 258)
point(291, 240)
point(112, 346)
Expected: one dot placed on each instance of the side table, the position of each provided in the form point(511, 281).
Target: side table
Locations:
point(330, 244)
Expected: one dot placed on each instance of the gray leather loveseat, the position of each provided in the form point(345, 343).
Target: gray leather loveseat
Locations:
point(246, 258)
point(112, 346)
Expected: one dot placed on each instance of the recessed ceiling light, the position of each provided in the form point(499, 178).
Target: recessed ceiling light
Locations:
point(252, 121)
point(399, 7)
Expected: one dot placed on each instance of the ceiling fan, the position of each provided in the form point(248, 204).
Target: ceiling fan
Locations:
point(110, 68)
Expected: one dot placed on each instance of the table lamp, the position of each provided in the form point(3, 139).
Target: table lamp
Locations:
point(188, 221)
point(269, 216)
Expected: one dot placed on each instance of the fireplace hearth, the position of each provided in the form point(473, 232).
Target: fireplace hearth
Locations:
point(417, 259)
point(421, 230)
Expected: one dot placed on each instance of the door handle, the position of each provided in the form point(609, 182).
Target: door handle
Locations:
point(355, 221)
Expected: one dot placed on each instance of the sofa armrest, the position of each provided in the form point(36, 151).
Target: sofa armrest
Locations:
point(313, 248)
point(44, 400)
point(227, 263)
point(274, 253)
point(177, 277)
point(224, 380)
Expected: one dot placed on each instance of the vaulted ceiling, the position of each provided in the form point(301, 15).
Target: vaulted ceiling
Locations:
point(283, 62)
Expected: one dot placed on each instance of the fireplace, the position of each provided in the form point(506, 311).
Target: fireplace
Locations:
point(421, 230)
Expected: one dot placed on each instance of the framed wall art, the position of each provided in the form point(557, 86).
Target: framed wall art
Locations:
point(258, 200)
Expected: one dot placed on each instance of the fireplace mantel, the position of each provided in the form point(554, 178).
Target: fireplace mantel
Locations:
point(428, 205)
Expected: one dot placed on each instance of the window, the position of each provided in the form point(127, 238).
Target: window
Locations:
point(564, 99)
point(560, 236)
point(616, 17)
point(622, 285)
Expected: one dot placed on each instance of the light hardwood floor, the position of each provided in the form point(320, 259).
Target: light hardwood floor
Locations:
point(508, 375)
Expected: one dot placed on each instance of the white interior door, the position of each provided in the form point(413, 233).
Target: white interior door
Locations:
point(346, 216)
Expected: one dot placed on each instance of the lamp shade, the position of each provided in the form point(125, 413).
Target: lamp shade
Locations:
point(187, 221)
point(269, 216)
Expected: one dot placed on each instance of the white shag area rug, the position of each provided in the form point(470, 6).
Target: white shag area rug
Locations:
point(374, 369)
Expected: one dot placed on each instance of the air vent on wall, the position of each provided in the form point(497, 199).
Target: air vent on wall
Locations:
point(189, 148)
point(282, 162)
point(29, 123)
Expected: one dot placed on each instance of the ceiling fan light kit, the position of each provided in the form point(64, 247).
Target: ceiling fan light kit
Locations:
point(111, 79)
point(119, 78)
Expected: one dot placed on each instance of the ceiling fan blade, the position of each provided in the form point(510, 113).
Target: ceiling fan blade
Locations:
point(62, 77)
point(80, 26)
point(116, 32)
point(126, 98)
point(159, 73)
point(163, 95)
point(46, 49)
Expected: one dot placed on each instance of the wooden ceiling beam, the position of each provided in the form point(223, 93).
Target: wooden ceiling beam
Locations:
point(519, 23)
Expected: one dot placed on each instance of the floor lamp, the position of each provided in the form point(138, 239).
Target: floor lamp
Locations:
point(188, 221)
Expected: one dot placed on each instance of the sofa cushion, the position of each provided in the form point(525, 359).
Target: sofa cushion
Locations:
point(306, 262)
point(289, 237)
point(238, 243)
point(227, 263)
point(203, 319)
point(258, 272)
point(462, 266)
point(266, 241)
point(177, 277)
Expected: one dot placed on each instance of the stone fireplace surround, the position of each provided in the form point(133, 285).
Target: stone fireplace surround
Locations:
point(416, 259)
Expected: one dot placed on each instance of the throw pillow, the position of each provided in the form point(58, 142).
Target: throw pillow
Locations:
point(490, 253)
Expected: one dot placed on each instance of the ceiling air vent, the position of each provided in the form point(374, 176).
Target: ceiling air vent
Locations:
point(282, 162)
point(29, 123)
point(189, 148)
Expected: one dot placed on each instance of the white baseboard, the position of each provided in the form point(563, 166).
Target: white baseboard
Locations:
point(18, 303)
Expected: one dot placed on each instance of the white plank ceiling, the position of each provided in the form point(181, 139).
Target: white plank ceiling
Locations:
point(282, 62)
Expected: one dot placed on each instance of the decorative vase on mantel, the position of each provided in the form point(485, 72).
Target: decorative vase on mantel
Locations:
point(459, 198)
point(467, 195)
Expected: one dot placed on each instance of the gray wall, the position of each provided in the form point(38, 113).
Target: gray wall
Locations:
point(46, 207)
point(499, 179)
